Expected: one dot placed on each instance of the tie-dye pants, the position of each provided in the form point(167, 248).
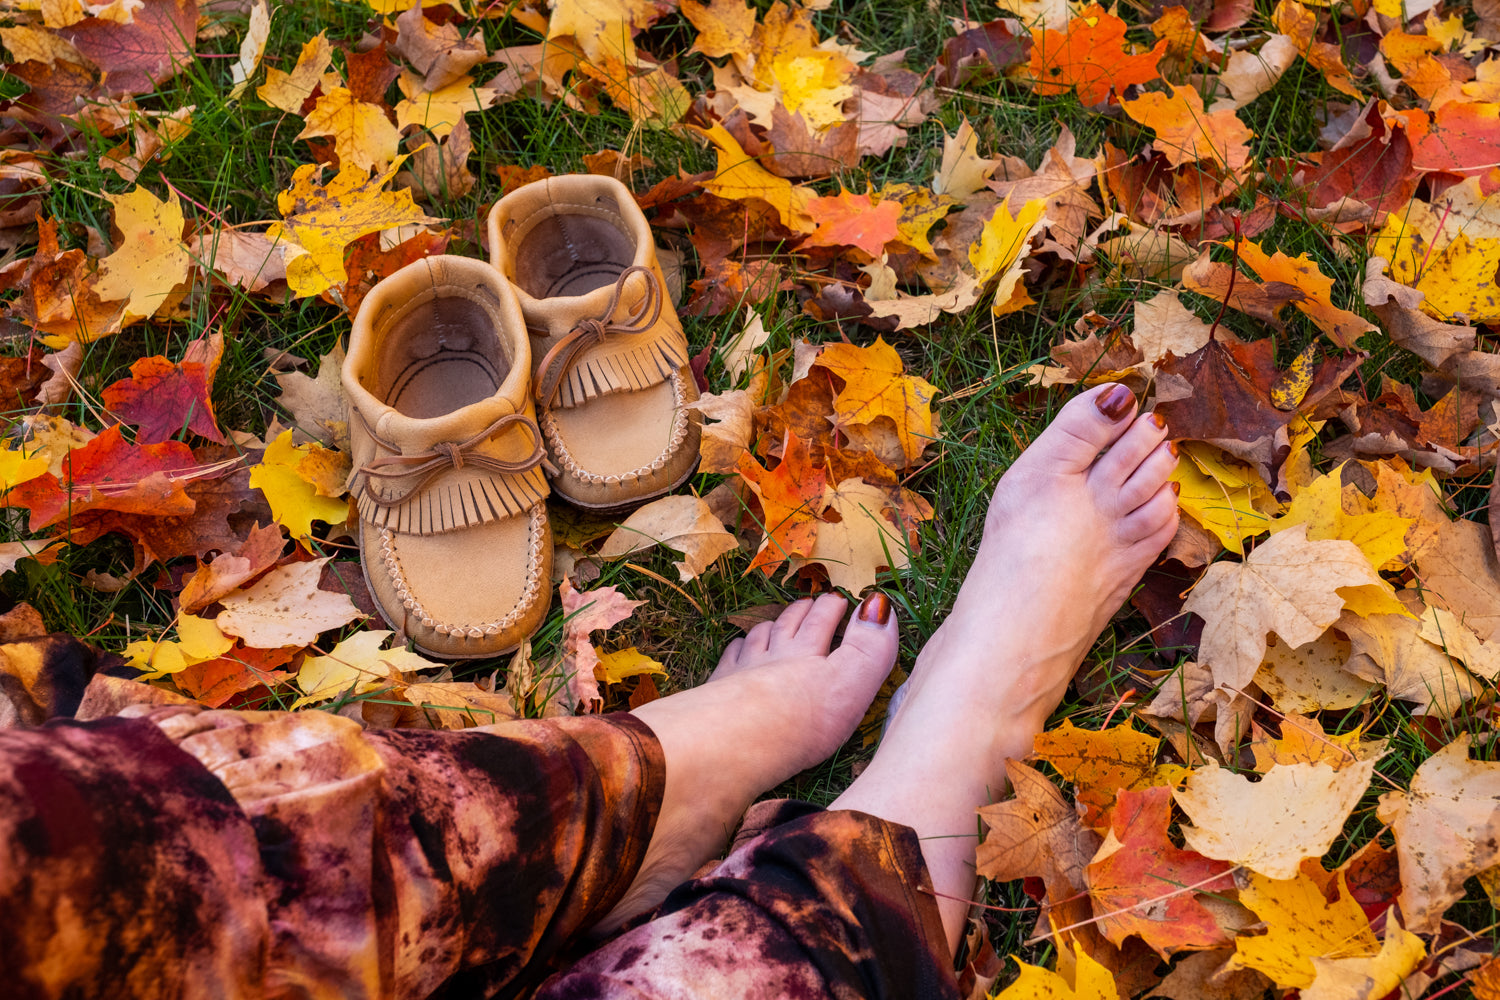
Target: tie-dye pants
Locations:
point(178, 852)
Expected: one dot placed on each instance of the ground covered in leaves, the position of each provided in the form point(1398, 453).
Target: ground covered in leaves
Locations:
point(900, 239)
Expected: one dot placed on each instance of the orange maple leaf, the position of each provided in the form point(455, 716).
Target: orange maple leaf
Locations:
point(790, 496)
point(851, 220)
point(1185, 132)
point(1090, 58)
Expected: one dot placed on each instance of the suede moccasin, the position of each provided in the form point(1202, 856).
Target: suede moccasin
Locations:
point(608, 352)
point(448, 460)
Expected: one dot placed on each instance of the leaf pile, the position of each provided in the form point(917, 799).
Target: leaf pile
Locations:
point(1328, 598)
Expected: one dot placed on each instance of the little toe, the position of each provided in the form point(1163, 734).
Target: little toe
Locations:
point(1137, 444)
point(1087, 425)
point(1149, 477)
point(729, 660)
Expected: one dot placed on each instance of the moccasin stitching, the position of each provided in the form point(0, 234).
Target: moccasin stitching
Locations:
point(536, 527)
point(569, 464)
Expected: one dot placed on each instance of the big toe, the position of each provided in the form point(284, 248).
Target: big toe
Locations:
point(1087, 425)
point(868, 650)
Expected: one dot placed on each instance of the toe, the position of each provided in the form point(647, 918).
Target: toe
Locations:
point(1148, 478)
point(1083, 428)
point(815, 635)
point(870, 642)
point(1125, 456)
point(784, 628)
point(729, 661)
point(757, 640)
point(1154, 519)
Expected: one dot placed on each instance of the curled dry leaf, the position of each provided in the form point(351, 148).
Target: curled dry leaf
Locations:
point(1447, 829)
point(683, 523)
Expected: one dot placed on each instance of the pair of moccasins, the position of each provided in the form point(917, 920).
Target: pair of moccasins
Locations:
point(475, 389)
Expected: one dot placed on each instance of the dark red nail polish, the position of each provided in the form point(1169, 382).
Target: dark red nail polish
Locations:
point(875, 609)
point(1172, 447)
point(1160, 421)
point(1115, 402)
point(1176, 489)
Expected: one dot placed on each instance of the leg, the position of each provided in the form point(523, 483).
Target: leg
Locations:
point(1069, 532)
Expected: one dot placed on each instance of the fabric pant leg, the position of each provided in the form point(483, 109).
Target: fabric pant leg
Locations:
point(184, 853)
point(809, 904)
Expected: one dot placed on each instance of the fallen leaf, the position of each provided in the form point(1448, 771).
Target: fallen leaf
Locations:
point(963, 171)
point(1380, 535)
point(725, 27)
point(789, 495)
point(1090, 58)
point(355, 665)
point(1003, 244)
point(849, 219)
point(724, 440)
point(1289, 585)
point(322, 219)
point(363, 138)
point(739, 176)
point(1303, 741)
point(1295, 811)
point(1143, 884)
point(584, 613)
point(151, 260)
point(858, 540)
point(151, 48)
point(285, 608)
point(683, 523)
point(294, 501)
point(1368, 977)
point(623, 664)
point(876, 386)
point(1186, 133)
point(1310, 677)
point(162, 399)
point(1302, 924)
point(288, 91)
point(1091, 981)
point(317, 404)
point(252, 47)
point(1099, 764)
point(459, 704)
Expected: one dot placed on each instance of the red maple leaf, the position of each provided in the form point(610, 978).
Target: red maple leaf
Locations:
point(161, 398)
point(1147, 885)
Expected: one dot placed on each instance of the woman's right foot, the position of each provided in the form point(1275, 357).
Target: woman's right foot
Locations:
point(1073, 524)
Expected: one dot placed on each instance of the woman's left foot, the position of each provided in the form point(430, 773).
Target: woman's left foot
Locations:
point(780, 701)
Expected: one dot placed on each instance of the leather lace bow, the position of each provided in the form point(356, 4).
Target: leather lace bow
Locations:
point(451, 455)
point(587, 332)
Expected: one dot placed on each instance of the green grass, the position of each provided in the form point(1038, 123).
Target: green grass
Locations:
point(240, 155)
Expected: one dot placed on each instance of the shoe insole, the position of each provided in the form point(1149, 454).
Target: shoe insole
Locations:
point(571, 255)
point(440, 357)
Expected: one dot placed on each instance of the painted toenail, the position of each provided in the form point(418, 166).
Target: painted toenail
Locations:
point(1160, 421)
point(1115, 402)
point(1172, 448)
point(1176, 488)
point(875, 609)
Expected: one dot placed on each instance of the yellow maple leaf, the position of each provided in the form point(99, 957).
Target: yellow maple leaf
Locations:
point(738, 176)
point(614, 667)
point(725, 27)
point(439, 110)
point(1003, 244)
point(1222, 495)
point(876, 386)
point(602, 28)
point(1381, 536)
point(198, 639)
point(294, 501)
point(288, 91)
point(358, 664)
point(362, 135)
point(1091, 981)
point(814, 85)
point(1455, 272)
point(151, 259)
point(323, 219)
point(1301, 925)
point(864, 539)
point(920, 211)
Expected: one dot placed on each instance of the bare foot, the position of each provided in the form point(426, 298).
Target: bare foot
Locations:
point(1068, 534)
point(778, 703)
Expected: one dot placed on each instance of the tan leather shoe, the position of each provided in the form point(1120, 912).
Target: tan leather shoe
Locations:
point(609, 356)
point(448, 460)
